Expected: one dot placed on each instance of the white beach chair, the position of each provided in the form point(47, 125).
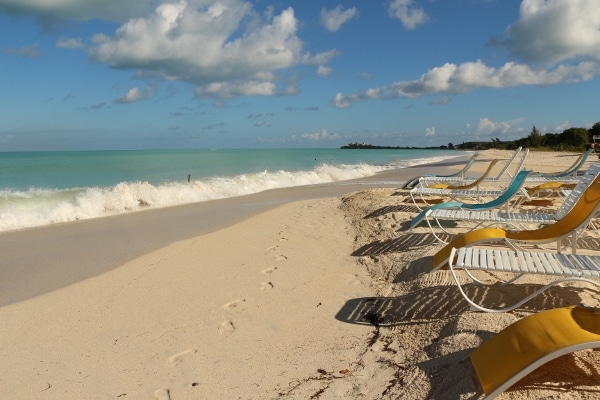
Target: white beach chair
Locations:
point(494, 215)
point(504, 172)
point(567, 267)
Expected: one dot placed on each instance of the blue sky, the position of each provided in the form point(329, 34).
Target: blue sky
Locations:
point(137, 74)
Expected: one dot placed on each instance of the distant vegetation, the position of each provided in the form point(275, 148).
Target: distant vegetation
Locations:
point(572, 139)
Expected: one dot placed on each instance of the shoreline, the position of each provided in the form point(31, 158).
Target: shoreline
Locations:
point(108, 242)
point(268, 304)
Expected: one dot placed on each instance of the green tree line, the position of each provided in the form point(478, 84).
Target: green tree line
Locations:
point(571, 139)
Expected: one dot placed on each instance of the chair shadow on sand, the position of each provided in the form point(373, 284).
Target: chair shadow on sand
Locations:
point(412, 241)
point(445, 301)
point(392, 209)
point(401, 243)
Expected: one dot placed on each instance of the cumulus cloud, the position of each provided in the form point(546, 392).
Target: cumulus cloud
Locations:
point(323, 72)
point(551, 31)
point(407, 13)
point(563, 126)
point(133, 95)
point(485, 126)
point(466, 77)
point(558, 40)
point(48, 11)
point(430, 131)
point(332, 20)
point(223, 47)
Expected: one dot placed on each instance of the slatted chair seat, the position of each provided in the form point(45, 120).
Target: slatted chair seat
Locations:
point(565, 267)
point(548, 263)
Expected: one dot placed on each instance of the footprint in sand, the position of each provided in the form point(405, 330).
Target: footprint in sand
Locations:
point(233, 304)
point(180, 357)
point(162, 394)
point(266, 285)
point(281, 258)
point(226, 328)
point(269, 270)
point(272, 248)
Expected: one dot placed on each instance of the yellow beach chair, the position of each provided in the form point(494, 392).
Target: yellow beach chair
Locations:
point(470, 189)
point(531, 342)
point(576, 219)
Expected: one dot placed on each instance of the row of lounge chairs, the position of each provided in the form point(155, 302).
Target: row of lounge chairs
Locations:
point(532, 341)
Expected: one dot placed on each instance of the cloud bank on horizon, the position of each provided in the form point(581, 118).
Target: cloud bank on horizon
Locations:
point(229, 49)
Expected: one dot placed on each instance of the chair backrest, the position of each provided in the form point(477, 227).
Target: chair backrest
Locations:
point(508, 163)
point(519, 165)
point(462, 172)
point(572, 170)
point(475, 182)
point(509, 193)
point(576, 165)
point(579, 215)
point(584, 182)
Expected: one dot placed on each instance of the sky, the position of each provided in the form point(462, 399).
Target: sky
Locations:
point(171, 74)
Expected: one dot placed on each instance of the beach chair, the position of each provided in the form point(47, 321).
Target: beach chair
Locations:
point(577, 218)
point(531, 342)
point(566, 267)
point(459, 175)
point(470, 190)
point(571, 171)
point(502, 174)
point(457, 208)
point(491, 214)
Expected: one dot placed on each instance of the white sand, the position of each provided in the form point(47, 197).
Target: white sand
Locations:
point(282, 305)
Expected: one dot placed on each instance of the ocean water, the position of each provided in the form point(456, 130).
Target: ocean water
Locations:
point(42, 188)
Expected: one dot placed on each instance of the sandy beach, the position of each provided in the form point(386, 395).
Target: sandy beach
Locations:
point(262, 297)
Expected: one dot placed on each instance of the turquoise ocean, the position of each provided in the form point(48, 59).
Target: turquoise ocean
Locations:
point(43, 188)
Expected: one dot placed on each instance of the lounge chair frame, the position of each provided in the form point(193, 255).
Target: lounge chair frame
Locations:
point(500, 176)
point(567, 267)
point(460, 175)
point(490, 213)
point(575, 220)
point(530, 342)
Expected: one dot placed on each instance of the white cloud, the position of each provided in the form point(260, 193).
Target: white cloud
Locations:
point(562, 35)
point(236, 88)
point(430, 131)
point(563, 126)
point(332, 20)
point(322, 136)
point(59, 10)
point(224, 47)
point(485, 126)
point(133, 95)
point(466, 77)
point(407, 13)
point(320, 58)
point(551, 31)
point(323, 72)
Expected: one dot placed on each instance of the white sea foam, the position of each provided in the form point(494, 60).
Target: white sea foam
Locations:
point(37, 207)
